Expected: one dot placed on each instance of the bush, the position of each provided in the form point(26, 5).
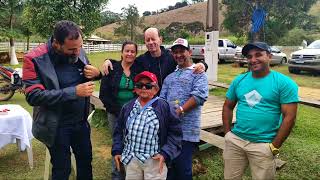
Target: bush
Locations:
point(196, 40)
point(240, 41)
point(295, 37)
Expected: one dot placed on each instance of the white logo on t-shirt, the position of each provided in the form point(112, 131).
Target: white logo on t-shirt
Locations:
point(253, 98)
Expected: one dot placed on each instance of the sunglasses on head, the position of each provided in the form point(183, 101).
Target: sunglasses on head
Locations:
point(140, 85)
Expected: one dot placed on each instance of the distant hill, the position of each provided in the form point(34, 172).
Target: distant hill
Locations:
point(187, 14)
point(315, 10)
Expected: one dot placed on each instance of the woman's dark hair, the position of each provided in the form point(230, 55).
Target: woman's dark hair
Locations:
point(66, 29)
point(129, 42)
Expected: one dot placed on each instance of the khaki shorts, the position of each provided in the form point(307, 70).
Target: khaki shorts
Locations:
point(239, 153)
point(135, 170)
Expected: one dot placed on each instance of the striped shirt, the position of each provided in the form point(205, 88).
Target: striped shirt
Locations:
point(142, 139)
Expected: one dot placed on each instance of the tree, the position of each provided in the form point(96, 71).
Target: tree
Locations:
point(184, 3)
point(170, 8)
point(45, 13)
point(173, 31)
point(109, 17)
point(26, 26)
point(146, 13)
point(178, 5)
point(194, 27)
point(130, 21)
point(9, 12)
point(196, 1)
point(282, 16)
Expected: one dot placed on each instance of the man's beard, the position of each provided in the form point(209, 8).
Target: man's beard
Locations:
point(63, 58)
point(72, 59)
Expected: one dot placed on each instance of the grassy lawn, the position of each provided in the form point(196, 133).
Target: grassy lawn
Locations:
point(226, 73)
point(300, 151)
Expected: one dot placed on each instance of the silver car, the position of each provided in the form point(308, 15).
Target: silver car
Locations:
point(307, 59)
point(278, 57)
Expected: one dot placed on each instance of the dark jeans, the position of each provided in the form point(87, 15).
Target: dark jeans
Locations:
point(78, 138)
point(181, 167)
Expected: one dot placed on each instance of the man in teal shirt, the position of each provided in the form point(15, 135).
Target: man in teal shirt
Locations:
point(266, 110)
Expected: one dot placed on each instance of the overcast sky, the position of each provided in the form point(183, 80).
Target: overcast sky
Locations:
point(142, 5)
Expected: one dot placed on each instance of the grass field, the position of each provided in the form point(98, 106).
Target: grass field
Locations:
point(300, 151)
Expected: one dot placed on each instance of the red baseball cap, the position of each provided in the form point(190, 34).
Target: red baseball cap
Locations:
point(146, 74)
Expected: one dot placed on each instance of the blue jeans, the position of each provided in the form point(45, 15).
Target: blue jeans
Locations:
point(181, 167)
point(115, 174)
point(78, 138)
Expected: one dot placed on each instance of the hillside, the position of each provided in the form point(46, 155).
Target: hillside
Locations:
point(191, 13)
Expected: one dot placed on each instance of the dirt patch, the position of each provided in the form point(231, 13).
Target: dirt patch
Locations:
point(104, 152)
point(5, 57)
point(198, 168)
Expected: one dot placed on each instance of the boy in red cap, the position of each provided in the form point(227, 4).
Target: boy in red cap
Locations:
point(147, 133)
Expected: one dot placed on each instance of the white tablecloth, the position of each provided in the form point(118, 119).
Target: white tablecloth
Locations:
point(16, 124)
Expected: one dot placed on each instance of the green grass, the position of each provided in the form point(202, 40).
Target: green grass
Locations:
point(218, 92)
point(226, 73)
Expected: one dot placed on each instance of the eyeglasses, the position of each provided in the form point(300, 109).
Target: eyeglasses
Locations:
point(140, 85)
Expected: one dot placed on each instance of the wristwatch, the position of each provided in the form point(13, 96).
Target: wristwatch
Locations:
point(274, 150)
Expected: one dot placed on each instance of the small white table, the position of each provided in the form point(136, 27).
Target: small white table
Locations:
point(15, 127)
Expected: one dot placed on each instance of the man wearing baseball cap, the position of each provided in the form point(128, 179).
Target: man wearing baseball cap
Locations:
point(187, 92)
point(152, 132)
point(266, 110)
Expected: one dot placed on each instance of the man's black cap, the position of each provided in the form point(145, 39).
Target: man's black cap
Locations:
point(256, 45)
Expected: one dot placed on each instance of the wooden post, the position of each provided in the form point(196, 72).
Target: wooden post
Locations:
point(212, 15)
point(211, 39)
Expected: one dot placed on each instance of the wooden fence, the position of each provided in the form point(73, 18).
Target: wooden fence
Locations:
point(89, 48)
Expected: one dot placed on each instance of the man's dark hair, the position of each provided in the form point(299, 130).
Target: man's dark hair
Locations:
point(66, 29)
point(129, 42)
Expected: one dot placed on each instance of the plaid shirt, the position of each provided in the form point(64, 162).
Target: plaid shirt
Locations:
point(142, 139)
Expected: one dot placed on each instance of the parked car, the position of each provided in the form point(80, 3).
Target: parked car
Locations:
point(278, 57)
point(307, 59)
point(226, 48)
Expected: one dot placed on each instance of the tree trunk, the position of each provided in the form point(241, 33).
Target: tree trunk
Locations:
point(13, 59)
point(131, 33)
point(28, 42)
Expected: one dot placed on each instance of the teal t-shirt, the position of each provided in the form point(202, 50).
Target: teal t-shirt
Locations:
point(258, 115)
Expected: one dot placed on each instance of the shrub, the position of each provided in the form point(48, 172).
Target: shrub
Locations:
point(296, 36)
